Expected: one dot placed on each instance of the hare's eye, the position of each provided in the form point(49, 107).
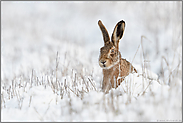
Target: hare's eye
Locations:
point(112, 51)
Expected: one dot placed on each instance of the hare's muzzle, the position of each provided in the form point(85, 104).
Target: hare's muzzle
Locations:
point(102, 63)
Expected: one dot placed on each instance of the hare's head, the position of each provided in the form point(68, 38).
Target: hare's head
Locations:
point(109, 53)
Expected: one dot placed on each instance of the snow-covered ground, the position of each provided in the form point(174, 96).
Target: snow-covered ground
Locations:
point(49, 61)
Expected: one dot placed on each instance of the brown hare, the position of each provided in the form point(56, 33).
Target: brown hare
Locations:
point(115, 68)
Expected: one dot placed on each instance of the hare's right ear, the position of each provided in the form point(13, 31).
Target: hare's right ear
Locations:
point(118, 33)
point(104, 33)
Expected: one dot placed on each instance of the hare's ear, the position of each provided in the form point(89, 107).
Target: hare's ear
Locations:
point(104, 33)
point(118, 33)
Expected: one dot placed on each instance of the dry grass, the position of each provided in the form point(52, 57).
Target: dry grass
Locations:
point(68, 77)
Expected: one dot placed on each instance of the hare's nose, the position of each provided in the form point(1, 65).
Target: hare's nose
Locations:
point(103, 62)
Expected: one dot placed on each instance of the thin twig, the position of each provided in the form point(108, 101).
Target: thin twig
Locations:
point(92, 84)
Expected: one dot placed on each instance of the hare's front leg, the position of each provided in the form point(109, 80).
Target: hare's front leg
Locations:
point(106, 84)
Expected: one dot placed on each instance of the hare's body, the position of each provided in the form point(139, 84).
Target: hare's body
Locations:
point(115, 68)
point(115, 75)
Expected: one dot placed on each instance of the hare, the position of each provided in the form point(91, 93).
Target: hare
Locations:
point(115, 68)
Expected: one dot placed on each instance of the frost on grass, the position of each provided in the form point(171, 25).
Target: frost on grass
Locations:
point(68, 93)
point(51, 73)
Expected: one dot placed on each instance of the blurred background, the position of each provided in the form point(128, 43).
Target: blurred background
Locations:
point(33, 32)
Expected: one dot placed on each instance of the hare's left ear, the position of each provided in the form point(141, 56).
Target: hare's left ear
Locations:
point(118, 33)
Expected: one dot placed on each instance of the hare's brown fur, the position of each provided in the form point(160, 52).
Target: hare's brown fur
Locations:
point(114, 76)
point(115, 68)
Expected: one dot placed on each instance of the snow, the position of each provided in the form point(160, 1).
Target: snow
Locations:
point(50, 70)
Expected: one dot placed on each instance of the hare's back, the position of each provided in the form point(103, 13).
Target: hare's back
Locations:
point(126, 67)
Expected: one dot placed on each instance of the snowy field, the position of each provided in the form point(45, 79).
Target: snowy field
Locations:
point(50, 70)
